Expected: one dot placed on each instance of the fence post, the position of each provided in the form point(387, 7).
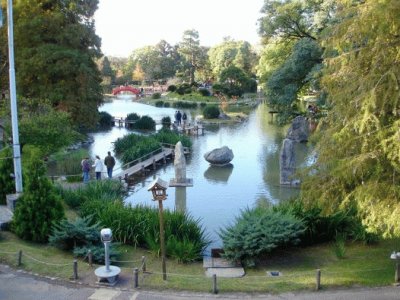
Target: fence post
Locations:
point(154, 163)
point(90, 258)
point(318, 280)
point(135, 278)
point(144, 263)
point(214, 285)
point(75, 267)
point(19, 258)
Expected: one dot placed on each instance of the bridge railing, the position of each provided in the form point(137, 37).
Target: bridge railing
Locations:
point(186, 150)
point(140, 159)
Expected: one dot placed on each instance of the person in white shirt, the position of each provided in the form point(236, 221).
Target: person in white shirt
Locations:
point(98, 167)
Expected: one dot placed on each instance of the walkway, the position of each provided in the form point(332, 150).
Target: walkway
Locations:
point(17, 285)
point(141, 165)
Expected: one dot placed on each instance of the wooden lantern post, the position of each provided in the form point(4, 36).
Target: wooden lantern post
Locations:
point(159, 190)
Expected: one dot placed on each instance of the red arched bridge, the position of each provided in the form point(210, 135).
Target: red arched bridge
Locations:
point(125, 88)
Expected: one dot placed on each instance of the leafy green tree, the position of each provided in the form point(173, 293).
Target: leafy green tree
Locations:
point(7, 185)
point(39, 206)
point(237, 53)
point(358, 148)
point(55, 58)
point(286, 82)
point(234, 81)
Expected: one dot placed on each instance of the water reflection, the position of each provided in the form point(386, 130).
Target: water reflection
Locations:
point(218, 174)
point(218, 194)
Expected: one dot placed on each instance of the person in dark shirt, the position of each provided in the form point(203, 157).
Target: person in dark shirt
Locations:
point(109, 161)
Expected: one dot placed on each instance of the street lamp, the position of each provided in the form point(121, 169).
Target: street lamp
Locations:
point(13, 98)
point(396, 256)
point(159, 190)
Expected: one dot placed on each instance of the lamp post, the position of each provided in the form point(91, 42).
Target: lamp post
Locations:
point(159, 190)
point(396, 256)
point(13, 99)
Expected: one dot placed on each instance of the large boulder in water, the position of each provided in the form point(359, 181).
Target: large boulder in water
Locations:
point(219, 156)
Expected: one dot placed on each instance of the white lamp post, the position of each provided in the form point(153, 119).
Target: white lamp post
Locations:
point(13, 98)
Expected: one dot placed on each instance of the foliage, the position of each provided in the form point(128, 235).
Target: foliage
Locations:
point(69, 163)
point(234, 81)
point(156, 96)
point(39, 205)
point(189, 48)
point(57, 48)
point(7, 184)
point(259, 231)
point(171, 88)
point(132, 117)
point(339, 246)
point(105, 119)
point(159, 103)
point(285, 83)
point(102, 190)
point(205, 92)
point(140, 149)
point(166, 122)
point(211, 112)
point(68, 235)
point(232, 53)
point(139, 226)
point(47, 130)
point(358, 157)
point(184, 88)
point(98, 254)
point(184, 104)
point(144, 123)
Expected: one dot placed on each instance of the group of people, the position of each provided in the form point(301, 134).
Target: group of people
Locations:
point(179, 117)
point(98, 166)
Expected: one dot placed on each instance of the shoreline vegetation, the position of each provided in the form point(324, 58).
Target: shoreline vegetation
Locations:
point(363, 265)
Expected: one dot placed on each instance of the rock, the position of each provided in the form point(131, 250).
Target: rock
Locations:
point(219, 156)
point(299, 130)
point(180, 163)
point(287, 163)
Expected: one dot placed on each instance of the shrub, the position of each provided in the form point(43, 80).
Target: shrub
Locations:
point(257, 232)
point(211, 112)
point(159, 103)
point(7, 185)
point(105, 119)
point(39, 206)
point(142, 147)
point(203, 104)
point(144, 123)
point(184, 104)
point(166, 104)
point(166, 122)
point(156, 96)
point(171, 88)
point(205, 92)
point(132, 117)
point(70, 163)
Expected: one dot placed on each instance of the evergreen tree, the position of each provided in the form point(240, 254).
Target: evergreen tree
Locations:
point(358, 150)
point(39, 206)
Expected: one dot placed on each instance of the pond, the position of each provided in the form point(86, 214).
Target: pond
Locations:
point(218, 193)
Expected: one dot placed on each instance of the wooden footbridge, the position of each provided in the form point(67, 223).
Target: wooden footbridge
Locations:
point(143, 164)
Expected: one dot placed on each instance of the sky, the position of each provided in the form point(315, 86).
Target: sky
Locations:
point(125, 25)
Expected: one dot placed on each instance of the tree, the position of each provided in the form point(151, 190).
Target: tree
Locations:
point(55, 58)
point(237, 53)
point(190, 50)
point(285, 83)
point(7, 184)
point(234, 81)
point(39, 205)
point(358, 150)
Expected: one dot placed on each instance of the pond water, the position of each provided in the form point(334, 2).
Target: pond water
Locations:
point(218, 193)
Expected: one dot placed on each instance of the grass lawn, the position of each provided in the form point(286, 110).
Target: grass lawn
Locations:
point(363, 265)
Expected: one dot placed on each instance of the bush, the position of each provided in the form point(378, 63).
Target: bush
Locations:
point(144, 123)
point(7, 184)
point(132, 117)
point(204, 92)
point(211, 112)
point(184, 104)
point(69, 164)
point(156, 96)
point(159, 103)
point(171, 88)
point(39, 206)
point(105, 119)
point(257, 232)
point(166, 122)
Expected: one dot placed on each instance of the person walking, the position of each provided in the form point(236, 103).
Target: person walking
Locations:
point(184, 118)
point(98, 167)
point(85, 169)
point(109, 161)
point(178, 117)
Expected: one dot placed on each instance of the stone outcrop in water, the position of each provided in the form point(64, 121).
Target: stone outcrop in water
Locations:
point(219, 156)
point(299, 130)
